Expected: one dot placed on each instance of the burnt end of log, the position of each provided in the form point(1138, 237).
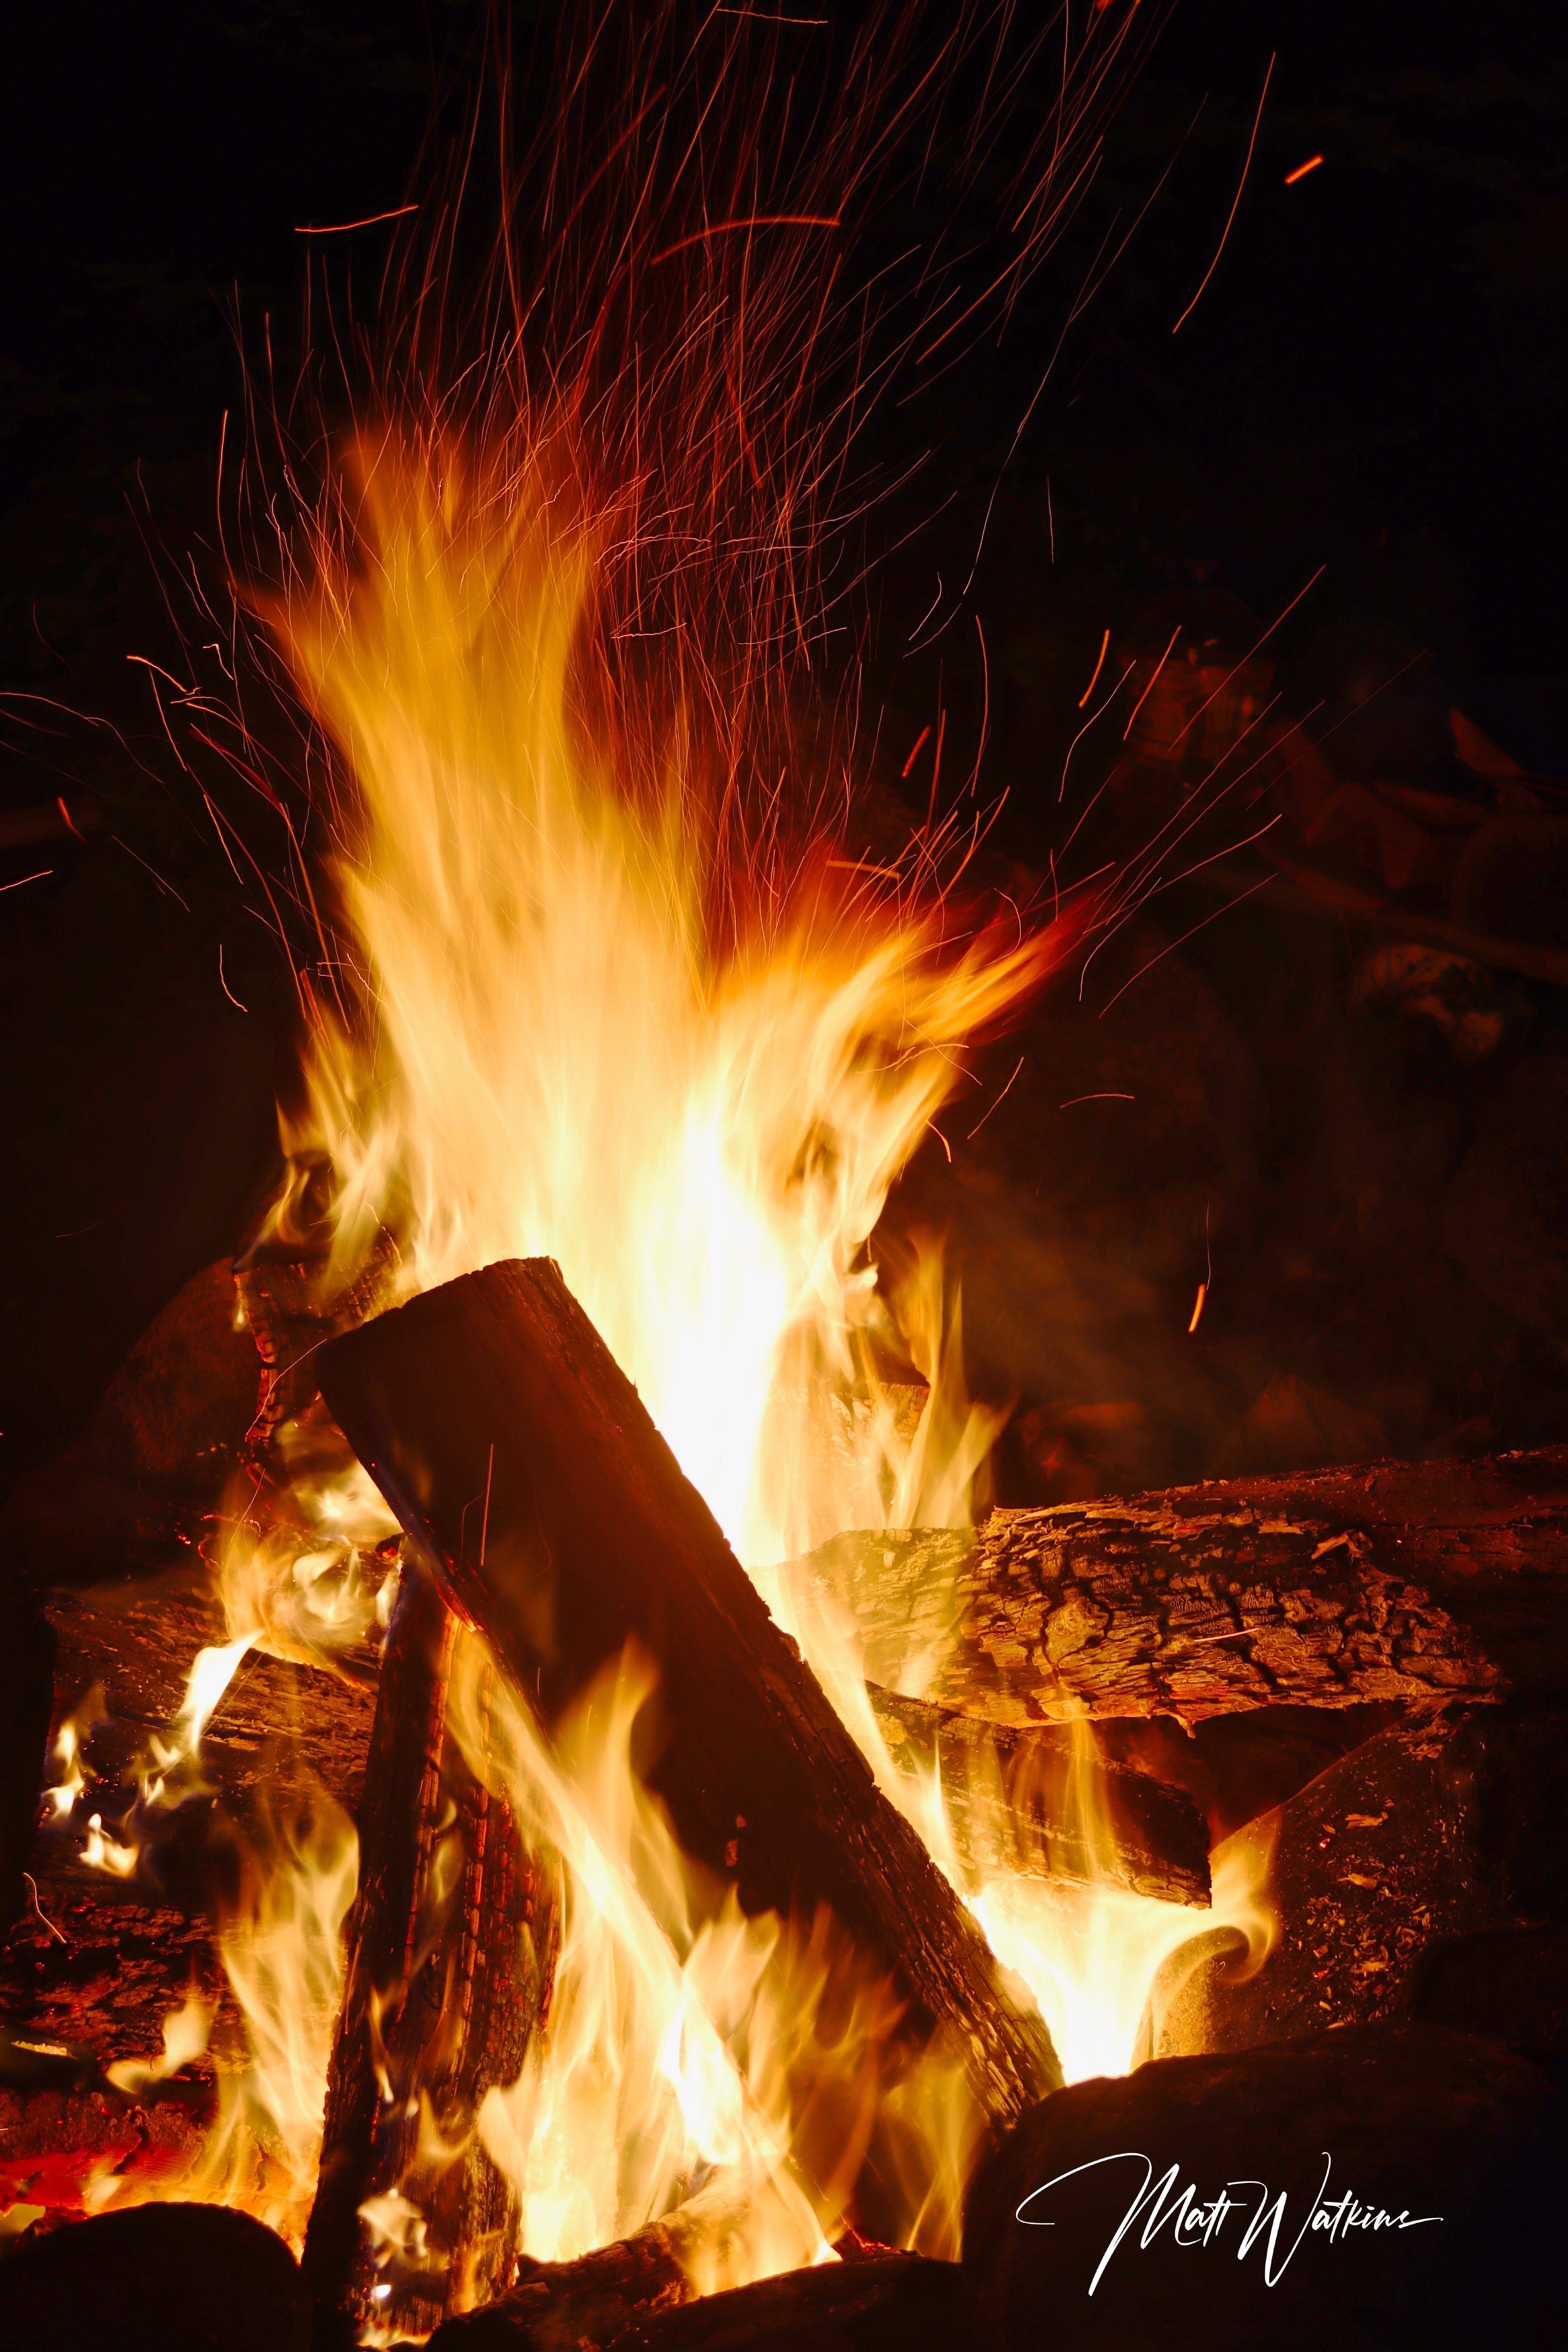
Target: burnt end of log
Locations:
point(528, 1473)
point(1135, 1609)
point(634, 2293)
point(291, 1307)
point(1050, 1804)
point(452, 1944)
point(579, 2306)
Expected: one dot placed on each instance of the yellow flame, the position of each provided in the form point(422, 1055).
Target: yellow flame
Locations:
point(689, 2049)
point(186, 2032)
point(282, 1952)
point(566, 1060)
point(87, 1717)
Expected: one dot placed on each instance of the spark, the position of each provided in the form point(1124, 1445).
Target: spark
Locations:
point(223, 984)
point(1262, 641)
point(41, 876)
point(746, 220)
point(991, 1107)
point(66, 817)
point(1099, 665)
point(60, 1936)
point(1197, 1307)
point(1148, 689)
point(1073, 1099)
point(1301, 170)
point(167, 887)
point(1241, 183)
point(342, 228)
point(1186, 936)
point(914, 755)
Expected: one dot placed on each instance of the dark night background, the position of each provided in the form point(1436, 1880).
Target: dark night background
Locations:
point(1374, 382)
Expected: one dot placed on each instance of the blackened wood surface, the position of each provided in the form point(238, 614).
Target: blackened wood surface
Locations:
point(1050, 1804)
point(450, 1971)
point(1194, 1605)
point(580, 2306)
point(517, 1452)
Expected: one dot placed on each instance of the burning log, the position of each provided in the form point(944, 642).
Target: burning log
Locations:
point(584, 2305)
point(1444, 1825)
point(877, 2301)
point(1050, 1804)
point(520, 1459)
point(1207, 1601)
point(450, 1972)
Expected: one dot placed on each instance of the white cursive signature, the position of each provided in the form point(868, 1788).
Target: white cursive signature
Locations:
point(1196, 2223)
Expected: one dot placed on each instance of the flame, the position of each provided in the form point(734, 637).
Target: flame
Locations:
point(66, 1749)
point(186, 2032)
point(1092, 1954)
point(302, 1567)
point(571, 1054)
point(282, 1953)
point(695, 2059)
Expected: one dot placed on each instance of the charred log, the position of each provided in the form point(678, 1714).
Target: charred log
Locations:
point(450, 1972)
point(524, 1466)
point(1197, 1604)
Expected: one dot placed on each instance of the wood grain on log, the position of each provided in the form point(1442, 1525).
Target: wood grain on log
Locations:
point(452, 1943)
point(1050, 1804)
point(1143, 1608)
point(1487, 1538)
point(519, 1458)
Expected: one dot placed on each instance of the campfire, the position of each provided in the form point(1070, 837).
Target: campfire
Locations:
point(570, 1804)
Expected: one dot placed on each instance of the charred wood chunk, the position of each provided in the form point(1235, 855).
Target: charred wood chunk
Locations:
point(527, 1471)
point(1408, 2121)
point(1442, 1826)
point(633, 2294)
point(129, 1494)
point(452, 1944)
point(1509, 1984)
point(291, 1304)
point(582, 2305)
point(158, 2275)
point(1134, 1608)
point(884, 2302)
point(1050, 1804)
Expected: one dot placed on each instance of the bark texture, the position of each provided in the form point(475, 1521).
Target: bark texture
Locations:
point(1196, 1604)
point(452, 1944)
point(529, 1476)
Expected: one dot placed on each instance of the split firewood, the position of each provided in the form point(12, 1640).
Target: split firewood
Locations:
point(1050, 1804)
point(291, 1306)
point(634, 2292)
point(529, 1475)
point(883, 2301)
point(1191, 1605)
point(586, 2305)
point(451, 1961)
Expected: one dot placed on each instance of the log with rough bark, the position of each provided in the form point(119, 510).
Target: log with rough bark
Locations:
point(1398, 1584)
point(1050, 1804)
point(452, 1943)
point(586, 2305)
point(528, 1473)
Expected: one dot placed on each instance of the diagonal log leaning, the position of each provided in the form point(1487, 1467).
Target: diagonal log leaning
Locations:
point(520, 1460)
